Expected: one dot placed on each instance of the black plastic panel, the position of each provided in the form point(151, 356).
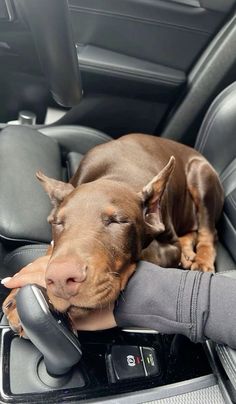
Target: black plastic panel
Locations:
point(214, 71)
point(221, 5)
point(121, 39)
point(167, 33)
point(109, 63)
point(178, 358)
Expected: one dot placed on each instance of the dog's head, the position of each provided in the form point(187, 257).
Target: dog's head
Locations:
point(99, 230)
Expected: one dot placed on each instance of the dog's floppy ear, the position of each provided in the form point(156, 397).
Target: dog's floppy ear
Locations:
point(56, 190)
point(152, 194)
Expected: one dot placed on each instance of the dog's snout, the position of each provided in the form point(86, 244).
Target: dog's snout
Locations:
point(64, 277)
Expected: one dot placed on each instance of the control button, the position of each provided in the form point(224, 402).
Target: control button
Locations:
point(127, 362)
point(150, 361)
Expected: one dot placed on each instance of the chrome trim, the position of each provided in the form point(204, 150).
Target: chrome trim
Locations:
point(140, 330)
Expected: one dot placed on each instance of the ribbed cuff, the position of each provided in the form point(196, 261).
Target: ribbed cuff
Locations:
point(193, 303)
point(171, 301)
point(221, 322)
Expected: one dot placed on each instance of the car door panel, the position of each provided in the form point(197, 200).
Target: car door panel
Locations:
point(218, 5)
point(167, 33)
point(134, 55)
point(141, 49)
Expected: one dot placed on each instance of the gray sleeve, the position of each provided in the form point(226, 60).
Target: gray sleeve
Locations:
point(172, 301)
point(221, 322)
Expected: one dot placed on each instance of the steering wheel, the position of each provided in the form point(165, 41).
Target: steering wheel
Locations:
point(51, 29)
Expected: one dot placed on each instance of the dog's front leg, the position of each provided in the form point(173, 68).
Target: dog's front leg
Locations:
point(164, 254)
point(207, 194)
point(188, 244)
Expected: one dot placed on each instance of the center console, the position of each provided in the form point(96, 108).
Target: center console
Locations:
point(112, 363)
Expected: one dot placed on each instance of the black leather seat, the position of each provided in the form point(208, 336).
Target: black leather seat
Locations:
point(24, 232)
point(217, 142)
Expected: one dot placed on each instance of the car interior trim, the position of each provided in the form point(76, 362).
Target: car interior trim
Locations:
point(205, 81)
point(166, 18)
point(168, 391)
point(114, 63)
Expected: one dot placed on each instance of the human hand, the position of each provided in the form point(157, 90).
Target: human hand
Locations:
point(32, 273)
point(99, 319)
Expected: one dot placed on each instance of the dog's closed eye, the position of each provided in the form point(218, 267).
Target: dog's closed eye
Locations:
point(115, 219)
point(57, 223)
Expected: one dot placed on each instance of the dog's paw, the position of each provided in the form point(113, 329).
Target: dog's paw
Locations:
point(187, 258)
point(10, 311)
point(203, 266)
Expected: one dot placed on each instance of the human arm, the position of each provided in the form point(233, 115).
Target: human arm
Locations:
point(196, 304)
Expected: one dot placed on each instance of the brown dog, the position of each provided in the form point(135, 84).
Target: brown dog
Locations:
point(138, 197)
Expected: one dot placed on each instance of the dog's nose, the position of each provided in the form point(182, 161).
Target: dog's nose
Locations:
point(64, 277)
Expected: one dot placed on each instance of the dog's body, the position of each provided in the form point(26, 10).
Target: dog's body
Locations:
point(129, 200)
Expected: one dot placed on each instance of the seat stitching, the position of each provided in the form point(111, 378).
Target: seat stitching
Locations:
point(227, 173)
point(231, 200)
point(220, 97)
point(204, 138)
point(210, 124)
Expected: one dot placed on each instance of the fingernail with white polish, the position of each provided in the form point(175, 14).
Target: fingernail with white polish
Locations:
point(5, 280)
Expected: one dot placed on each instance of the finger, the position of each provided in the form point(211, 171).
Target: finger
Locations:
point(31, 269)
point(24, 279)
point(9, 302)
point(39, 264)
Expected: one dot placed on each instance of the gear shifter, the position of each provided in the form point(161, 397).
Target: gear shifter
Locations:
point(49, 332)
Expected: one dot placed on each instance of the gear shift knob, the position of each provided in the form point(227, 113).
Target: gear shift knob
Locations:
point(47, 331)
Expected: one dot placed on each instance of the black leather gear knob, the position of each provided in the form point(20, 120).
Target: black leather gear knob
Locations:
point(47, 330)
